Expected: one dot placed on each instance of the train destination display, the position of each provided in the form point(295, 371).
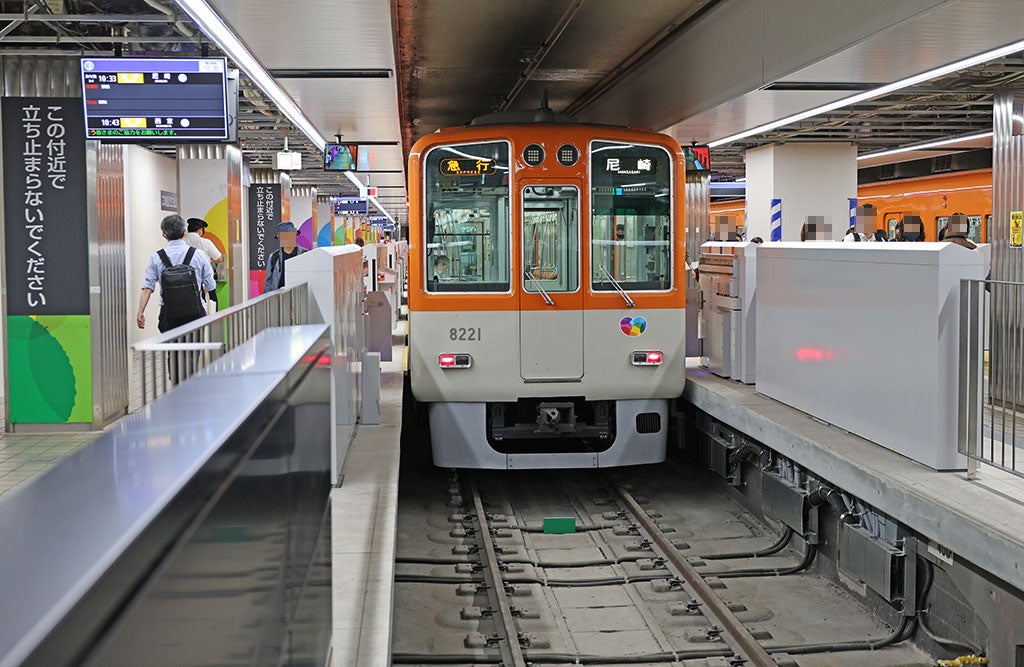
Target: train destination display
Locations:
point(155, 99)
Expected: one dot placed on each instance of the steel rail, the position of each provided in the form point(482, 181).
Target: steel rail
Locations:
point(714, 607)
point(511, 651)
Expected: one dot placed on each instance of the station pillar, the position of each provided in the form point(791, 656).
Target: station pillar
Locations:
point(797, 180)
point(305, 214)
point(268, 202)
point(324, 222)
point(210, 187)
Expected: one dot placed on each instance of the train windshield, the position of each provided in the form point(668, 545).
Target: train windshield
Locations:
point(631, 224)
point(467, 218)
point(551, 238)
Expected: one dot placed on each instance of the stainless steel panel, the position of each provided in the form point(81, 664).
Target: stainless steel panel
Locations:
point(698, 217)
point(868, 559)
point(35, 76)
point(198, 527)
point(107, 280)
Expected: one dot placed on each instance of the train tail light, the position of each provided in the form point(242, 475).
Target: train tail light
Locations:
point(448, 360)
point(647, 358)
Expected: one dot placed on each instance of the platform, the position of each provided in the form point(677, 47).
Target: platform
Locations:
point(364, 511)
point(981, 520)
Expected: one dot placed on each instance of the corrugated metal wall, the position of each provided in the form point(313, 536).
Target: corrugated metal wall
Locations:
point(107, 270)
point(1007, 262)
point(698, 217)
point(34, 76)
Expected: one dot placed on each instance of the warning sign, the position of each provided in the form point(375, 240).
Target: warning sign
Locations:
point(1016, 229)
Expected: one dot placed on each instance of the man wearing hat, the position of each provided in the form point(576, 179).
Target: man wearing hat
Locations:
point(287, 236)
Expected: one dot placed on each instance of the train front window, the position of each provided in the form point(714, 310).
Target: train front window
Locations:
point(551, 238)
point(466, 219)
point(631, 221)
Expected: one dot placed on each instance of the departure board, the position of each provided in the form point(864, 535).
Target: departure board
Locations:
point(155, 99)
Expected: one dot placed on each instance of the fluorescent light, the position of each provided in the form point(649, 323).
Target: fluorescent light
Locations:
point(213, 26)
point(930, 144)
point(877, 92)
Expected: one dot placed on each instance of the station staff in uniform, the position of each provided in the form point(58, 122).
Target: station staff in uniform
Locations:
point(173, 228)
point(196, 238)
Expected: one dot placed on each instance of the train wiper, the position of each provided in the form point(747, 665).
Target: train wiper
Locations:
point(618, 288)
point(547, 298)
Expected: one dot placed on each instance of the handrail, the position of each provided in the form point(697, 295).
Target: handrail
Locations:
point(173, 356)
point(990, 383)
point(618, 288)
point(547, 299)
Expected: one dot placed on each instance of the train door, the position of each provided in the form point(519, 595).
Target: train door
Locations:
point(551, 301)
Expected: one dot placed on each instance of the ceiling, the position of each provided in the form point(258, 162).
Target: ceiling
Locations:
point(386, 72)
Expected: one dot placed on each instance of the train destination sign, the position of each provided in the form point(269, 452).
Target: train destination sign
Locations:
point(467, 167)
point(155, 99)
point(630, 165)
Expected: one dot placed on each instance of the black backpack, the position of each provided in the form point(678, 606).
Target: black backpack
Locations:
point(180, 290)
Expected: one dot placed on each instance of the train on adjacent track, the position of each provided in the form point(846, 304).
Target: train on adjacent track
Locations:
point(546, 292)
point(932, 197)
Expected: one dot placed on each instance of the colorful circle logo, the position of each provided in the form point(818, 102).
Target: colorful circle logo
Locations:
point(633, 326)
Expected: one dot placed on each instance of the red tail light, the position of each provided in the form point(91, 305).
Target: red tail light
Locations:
point(647, 358)
point(448, 360)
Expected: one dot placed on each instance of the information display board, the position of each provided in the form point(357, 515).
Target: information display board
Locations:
point(155, 99)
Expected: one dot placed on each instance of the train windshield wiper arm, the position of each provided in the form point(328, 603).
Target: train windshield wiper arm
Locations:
point(618, 288)
point(547, 298)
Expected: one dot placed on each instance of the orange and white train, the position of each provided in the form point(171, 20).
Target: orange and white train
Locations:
point(546, 293)
point(934, 198)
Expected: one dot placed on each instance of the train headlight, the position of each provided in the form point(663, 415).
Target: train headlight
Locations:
point(448, 360)
point(647, 358)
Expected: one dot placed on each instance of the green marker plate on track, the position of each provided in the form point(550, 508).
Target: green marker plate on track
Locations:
point(559, 525)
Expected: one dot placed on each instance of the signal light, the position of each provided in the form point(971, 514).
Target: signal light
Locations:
point(448, 360)
point(648, 358)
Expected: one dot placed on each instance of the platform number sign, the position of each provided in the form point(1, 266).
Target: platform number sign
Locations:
point(1016, 229)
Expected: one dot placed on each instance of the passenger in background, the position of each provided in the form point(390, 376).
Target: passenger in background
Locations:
point(956, 231)
point(757, 240)
point(287, 235)
point(864, 225)
point(178, 310)
point(910, 228)
point(815, 228)
point(196, 238)
point(725, 228)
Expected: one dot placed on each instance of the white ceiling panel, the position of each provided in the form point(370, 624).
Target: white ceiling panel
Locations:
point(314, 34)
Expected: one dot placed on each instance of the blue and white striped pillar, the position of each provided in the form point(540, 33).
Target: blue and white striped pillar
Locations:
point(853, 210)
point(776, 220)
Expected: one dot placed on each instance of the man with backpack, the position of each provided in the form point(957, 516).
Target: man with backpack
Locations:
point(183, 273)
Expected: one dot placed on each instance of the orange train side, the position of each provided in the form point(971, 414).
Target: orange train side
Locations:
point(931, 197)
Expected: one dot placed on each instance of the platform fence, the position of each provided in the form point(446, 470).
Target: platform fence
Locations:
point(166, 360)
point(990, 415)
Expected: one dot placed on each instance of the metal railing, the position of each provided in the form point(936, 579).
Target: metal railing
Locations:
point(990, 415)
point(172, 357)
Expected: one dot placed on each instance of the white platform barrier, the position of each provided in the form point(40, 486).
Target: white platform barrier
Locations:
point(335, 279)
point(865, 336)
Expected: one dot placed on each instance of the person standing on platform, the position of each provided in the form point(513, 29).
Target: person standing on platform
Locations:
point(180, 299)
point(287, 236)
point(197, 239)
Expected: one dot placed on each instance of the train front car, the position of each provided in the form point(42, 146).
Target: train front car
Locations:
point(546, 294)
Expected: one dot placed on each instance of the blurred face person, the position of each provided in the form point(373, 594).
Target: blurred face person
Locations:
point(288, 240)
point(865, 222)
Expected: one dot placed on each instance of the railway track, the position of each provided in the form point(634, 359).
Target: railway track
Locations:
point(628, 563)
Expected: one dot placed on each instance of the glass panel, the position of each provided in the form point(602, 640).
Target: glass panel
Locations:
point(973, 226)
point(551, 238)
point(466, 218)
point(631, 224)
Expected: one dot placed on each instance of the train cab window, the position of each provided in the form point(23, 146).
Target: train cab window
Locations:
point(467, 194)
point(631, 221)
point(973, 226)
point(551, 258)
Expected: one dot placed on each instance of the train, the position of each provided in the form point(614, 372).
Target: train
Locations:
point(546, 293)
point(932, 197)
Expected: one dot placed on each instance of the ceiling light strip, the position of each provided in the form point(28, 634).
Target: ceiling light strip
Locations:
point(213, 26)
point(931, 144)
point(877, 92)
